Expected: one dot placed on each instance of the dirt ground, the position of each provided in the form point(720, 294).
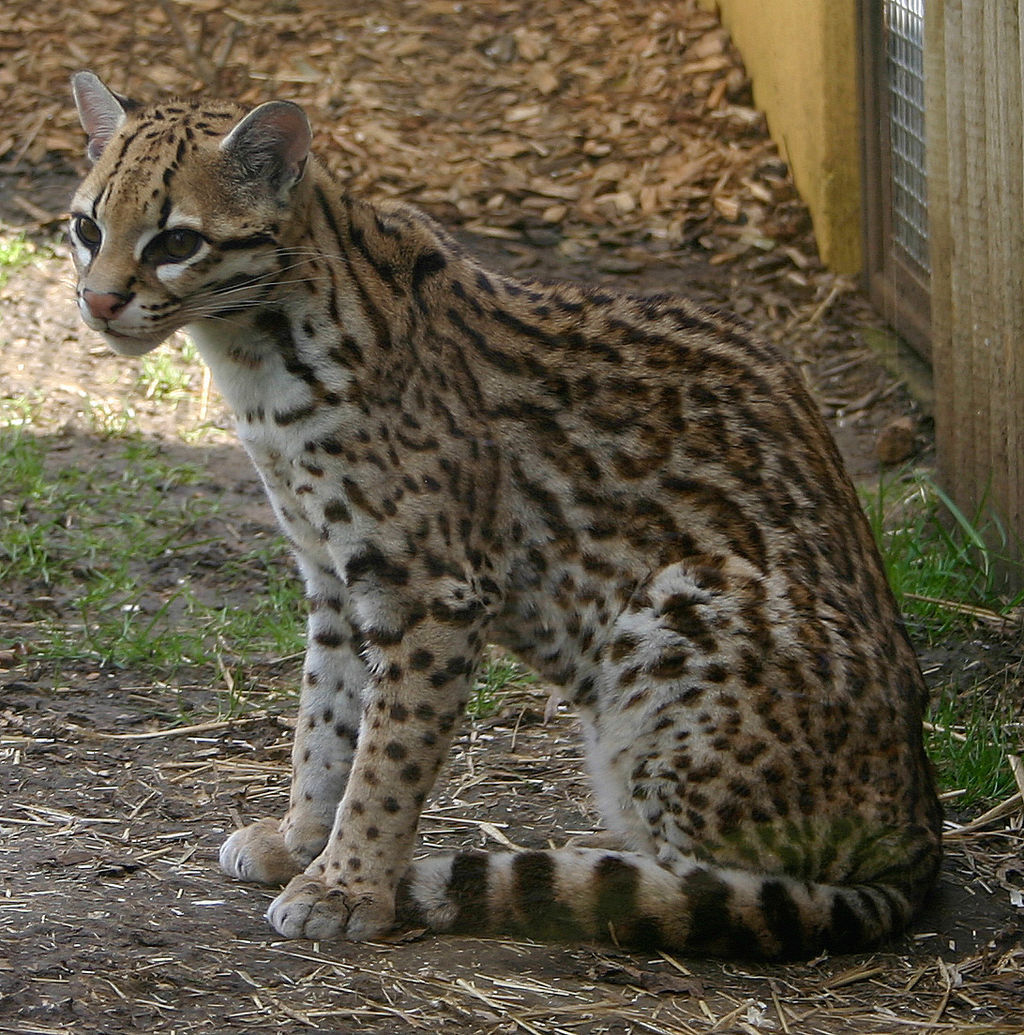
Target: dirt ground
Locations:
point(118, 787)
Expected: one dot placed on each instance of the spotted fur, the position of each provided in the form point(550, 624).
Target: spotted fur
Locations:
point(633, 494)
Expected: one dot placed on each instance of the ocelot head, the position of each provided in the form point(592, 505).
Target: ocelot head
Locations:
point(182, 216)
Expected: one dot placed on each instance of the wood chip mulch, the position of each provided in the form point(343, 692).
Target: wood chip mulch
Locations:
point(565, 120)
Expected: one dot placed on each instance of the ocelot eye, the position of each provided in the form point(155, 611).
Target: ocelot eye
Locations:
point(173, 246)
point(88, 232)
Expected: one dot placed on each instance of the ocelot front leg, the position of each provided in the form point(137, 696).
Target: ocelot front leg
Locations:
point(272, 851)
point(420, 678)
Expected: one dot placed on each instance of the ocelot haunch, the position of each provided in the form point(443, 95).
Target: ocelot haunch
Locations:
point(634, 495)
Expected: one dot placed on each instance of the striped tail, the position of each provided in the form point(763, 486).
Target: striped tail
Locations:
point(580, 894)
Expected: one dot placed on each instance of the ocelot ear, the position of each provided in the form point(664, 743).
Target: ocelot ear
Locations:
point(271, 145)
point(100, 111)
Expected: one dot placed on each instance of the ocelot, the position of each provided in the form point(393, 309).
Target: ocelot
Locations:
point(634, 495)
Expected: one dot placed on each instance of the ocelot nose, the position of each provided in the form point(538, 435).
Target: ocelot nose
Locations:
point(104, 305)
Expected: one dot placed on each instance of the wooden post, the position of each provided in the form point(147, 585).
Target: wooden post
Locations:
point(975, 131)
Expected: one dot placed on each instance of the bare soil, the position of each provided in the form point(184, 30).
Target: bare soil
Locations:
point(118, 786)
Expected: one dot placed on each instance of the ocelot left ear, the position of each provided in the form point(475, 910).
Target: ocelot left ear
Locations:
point(271, 144)
point(100, 111)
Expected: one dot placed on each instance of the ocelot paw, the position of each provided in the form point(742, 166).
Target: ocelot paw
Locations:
point(258, 853)
point(309, 908)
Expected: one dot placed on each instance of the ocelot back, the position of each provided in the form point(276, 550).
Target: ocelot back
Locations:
point(632, 494)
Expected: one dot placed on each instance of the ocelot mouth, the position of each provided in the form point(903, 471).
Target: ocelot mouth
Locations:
point(130, 345)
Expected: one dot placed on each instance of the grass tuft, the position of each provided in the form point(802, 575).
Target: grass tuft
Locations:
point(498, 677)
point(970, 736)
point(947, 569)
point(17, 251)
point(170, 374)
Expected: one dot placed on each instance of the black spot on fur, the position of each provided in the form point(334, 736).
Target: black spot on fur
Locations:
point(371, 563)
point(336, 511)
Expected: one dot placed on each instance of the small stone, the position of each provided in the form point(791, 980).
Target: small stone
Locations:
point(896, 441)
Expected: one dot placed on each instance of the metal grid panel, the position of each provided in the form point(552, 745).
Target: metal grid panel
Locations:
point(904, 20)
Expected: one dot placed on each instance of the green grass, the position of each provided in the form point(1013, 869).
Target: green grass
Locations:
point(169, 374)
point(497, 678)
point(17, 251)
point(946, 568)
point(274, 615)
point(969, 739)
point(93, 543)
point(948, 571)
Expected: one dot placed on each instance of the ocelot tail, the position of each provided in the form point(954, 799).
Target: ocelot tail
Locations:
point(634, 495)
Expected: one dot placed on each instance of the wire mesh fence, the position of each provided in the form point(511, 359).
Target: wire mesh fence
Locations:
point(904, 20)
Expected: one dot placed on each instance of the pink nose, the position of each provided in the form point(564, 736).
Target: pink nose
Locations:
point(104, 305)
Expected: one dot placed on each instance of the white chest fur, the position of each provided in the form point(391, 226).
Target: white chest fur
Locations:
point(277, 417)
point(248, 387)
point(250, 371)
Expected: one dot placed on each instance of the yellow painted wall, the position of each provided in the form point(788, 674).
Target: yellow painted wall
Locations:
point(802, 57)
